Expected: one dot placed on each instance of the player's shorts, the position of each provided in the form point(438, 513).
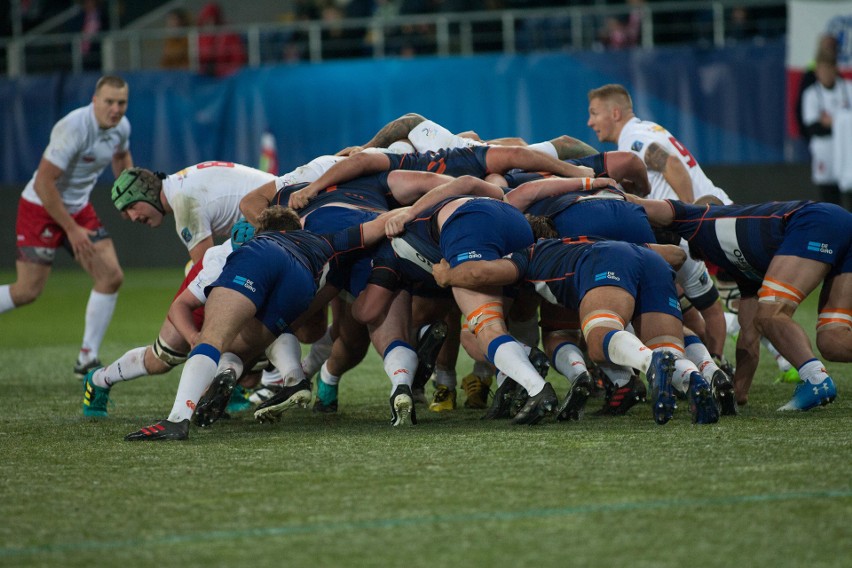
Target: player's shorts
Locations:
point(197, 313)
point(639, 271)
point(280, 286)
point(484, 229)
point(596, 161)
point(822, 232)
point(38, 234)
point(354, 268)
point(610, 219)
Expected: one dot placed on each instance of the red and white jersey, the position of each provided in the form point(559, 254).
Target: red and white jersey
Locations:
point(211, 268)
point(206, 198)
point(82, 150)
point(637, 135)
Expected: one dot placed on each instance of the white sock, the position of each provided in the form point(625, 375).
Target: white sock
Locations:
point(625, 349)
point(697, 352)
point(99, 311)
point(400, 363)
point(230, 361)
point(327, 377)
point(285, 353)
point(197, 375)
point(683, 369)
point(813, 372)
point(732, 323)
point(6, 303)
point(618, 375)
point(271, 378)
point(568, 360)
point(509, 357)
point(129, 366)
point(446, 378)
point(320, 351)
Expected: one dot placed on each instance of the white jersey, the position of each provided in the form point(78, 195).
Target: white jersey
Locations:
point(211, 268)
point(82, 150)
point(430, 136)
point(206, 198)
point(816, 99)
point(309, 172)
point(637, 135)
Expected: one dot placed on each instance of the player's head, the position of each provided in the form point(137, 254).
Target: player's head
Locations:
point(278, 218)
point(826, 68)
point(136, 193)
point(542, 226)
point(610, 107)
point(241, 232)
point(110, 100)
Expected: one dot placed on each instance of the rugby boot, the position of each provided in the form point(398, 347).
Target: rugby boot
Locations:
point(574, 403)
point(326, 402)
point(808, 395)
point(537, 407)
point(95, 398)
point(660, 380)
point(82, 369)
point(162, 430)
point(427, 354)
point(287, 398)
point(723, 392)
point(402, 407)
point(502, 400)
point(702, 405)
point(211, 406)
point(619, 400)
point(443, 400)
point(476, 391)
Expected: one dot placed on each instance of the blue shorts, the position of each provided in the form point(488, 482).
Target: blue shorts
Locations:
point(822, 232)
point(639, 271)
point(280, 286)
point(484, 229)
point(354, 269)
point(595, 161)
point(611, 219)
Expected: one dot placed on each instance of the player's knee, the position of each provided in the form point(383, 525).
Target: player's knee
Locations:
point(110, 280)
point(163, 357)
point(834, 334)
point(21, 296)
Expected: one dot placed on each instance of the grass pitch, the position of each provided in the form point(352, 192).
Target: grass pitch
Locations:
point(761, 489)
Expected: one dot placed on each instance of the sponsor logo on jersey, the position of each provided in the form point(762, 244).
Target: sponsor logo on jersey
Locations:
point(637, 146)
point(186, 234)
point(657, 128)
point(244, 282)
point(819, 247)
point(674, 304)
point(470, 255)
point(606, 276)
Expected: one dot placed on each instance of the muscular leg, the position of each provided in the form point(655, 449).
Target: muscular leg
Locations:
point(31, 279)
point(834, 328)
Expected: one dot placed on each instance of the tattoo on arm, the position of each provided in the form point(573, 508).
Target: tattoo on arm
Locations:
point(395, 130)
point(655, 157)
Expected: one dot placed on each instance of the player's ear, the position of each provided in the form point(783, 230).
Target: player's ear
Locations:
point(616, 113)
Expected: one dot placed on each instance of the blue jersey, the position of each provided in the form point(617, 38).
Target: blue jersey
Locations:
point(368, 192)
point(563, 271)
point(743, 239)
point(450, 161)
point(597, 162)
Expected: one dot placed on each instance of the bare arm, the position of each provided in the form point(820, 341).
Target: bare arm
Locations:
point(360, 164)
point(395, 130)
point(672, 254)
point(673, 170)
point(476, 274)
point(48, 192)
point(748, 349)
point(568, 148)
point(255, 201)
point(464, 185)
point(196, 253)
point(120, 162)
point(659, 212)
point(180, 314)
point(528, 193)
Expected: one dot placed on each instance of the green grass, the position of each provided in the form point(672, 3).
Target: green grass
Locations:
point(761, 489)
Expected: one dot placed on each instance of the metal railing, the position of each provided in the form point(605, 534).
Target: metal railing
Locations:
point(507, 31)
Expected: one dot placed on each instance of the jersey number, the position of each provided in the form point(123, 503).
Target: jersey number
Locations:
point(203, 165)
point(683, 151)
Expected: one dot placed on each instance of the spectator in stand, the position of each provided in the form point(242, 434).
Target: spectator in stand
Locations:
point(621, 33)
point(176, 48)
point(219, 53)
point(90, 21)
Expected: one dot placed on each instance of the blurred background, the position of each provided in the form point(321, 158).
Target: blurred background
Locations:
point(211, 80)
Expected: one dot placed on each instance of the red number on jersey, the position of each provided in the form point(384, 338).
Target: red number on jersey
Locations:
point(203, 165)
point(683, 151)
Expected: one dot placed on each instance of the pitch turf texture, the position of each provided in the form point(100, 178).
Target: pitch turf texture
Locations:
point(761, 489)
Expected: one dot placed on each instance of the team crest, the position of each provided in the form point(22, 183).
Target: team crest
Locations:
point(186, 234)
point(637, 146)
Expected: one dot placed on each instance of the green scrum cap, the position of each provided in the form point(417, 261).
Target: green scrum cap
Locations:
point(137, 184)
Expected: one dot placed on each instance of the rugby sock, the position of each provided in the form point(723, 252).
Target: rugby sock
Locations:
point(568, 360)
point(783, 364)
point(197, 375)
point(99, 311)
point(6, 303)
point(508, 355)
point(618, 375)
point(624, 348)
point(683, 368)
point(813, 372)
point(129, 366)
point(446, 378)
point(285, 353)
point(320, 351)
point(400, 363)
point(697, 353)
point(271, 378)
point(230, 361)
